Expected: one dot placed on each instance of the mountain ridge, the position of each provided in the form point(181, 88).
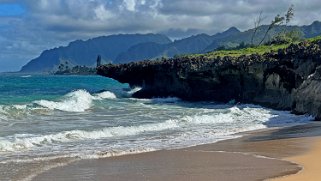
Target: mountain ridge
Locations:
point(80, 52)
point(124, 48)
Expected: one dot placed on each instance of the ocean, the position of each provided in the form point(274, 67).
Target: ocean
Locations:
point(47, 121)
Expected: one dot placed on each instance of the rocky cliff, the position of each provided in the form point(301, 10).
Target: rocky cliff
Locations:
point(289, 79)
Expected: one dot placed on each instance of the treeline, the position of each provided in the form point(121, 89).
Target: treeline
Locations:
point(283, 37)
point(65, 69)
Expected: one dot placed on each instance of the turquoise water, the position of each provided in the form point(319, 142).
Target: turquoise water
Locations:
point(24, 89)
point(45, 118)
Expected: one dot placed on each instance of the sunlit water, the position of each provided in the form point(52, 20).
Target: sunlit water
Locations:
point(44, 118)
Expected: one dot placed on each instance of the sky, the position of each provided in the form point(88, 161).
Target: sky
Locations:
point(27, 27)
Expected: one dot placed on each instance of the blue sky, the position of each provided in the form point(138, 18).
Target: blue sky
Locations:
point(11, 9)
point(27, 27)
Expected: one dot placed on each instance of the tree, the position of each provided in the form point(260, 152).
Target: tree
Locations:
point(279, 20)
point(289, 14)
point(257, 24)
point(285, 35)
point(61, 67)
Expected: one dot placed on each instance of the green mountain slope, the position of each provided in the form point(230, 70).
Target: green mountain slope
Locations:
point(193, 44)
point(85, 52)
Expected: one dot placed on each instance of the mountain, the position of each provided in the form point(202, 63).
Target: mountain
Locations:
point(307, 31)
point(141, 51)
point(203, 43)
point(85, 52)
point(193, 44)
point(127, 48)
point(312, 30)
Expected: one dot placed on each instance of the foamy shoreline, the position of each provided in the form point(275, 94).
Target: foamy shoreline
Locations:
point(202, 162)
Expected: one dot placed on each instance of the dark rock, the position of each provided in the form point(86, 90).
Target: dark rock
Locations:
point(288, 80)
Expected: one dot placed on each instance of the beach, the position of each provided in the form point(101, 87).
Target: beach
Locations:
point(310, 162)
point(159, 90)
point(104, 134)
point(258, 155)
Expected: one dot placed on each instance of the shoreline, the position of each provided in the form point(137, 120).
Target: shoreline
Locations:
point(257, 155)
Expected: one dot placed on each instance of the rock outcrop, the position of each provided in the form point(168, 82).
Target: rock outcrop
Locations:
point(289, 79)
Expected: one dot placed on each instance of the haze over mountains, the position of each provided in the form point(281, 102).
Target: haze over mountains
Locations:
point(133, 47)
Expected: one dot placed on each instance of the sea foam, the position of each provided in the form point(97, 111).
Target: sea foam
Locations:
point(166, 100)
point(21, 142)
point(105, 95)
point(199, 127)
point(76, 101)
point(132, 91)
point(25, 76)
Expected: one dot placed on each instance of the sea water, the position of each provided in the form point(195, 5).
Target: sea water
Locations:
point(46, 117)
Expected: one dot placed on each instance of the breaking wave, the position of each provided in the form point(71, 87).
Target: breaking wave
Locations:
point(24, 141)
point(233, 120)
point(77, 101)
point(105, 95)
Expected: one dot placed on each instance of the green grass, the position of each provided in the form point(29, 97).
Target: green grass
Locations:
point(249, 51)
point(314, 39)
point(245, 51)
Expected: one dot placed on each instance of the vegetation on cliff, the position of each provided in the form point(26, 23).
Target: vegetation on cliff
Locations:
point(239, 52)
point(250, 49)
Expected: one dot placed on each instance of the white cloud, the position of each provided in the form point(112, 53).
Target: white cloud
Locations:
point(130, 5)
point(102, 13)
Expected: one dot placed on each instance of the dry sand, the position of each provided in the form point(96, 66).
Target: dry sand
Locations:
point(227, 160)
point(311, 163)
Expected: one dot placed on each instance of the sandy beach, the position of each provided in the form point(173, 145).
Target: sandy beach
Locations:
point(310, 162)
point(256, 156)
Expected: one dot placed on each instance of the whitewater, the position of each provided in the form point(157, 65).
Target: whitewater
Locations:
point(44, 117)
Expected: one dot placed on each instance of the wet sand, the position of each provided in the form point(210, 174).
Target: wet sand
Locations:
point(228, 160)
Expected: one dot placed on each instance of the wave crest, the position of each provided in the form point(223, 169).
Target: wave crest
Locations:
point(24, 142)
point(77, 101)
point(105, 95)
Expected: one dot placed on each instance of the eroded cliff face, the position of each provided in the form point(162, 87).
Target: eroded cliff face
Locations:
point(289, 79)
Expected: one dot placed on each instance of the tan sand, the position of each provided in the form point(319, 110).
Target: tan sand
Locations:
point(205, 162)
point(311, 163)
point(178, 165)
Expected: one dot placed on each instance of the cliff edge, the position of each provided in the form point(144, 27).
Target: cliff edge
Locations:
point(287, 79)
